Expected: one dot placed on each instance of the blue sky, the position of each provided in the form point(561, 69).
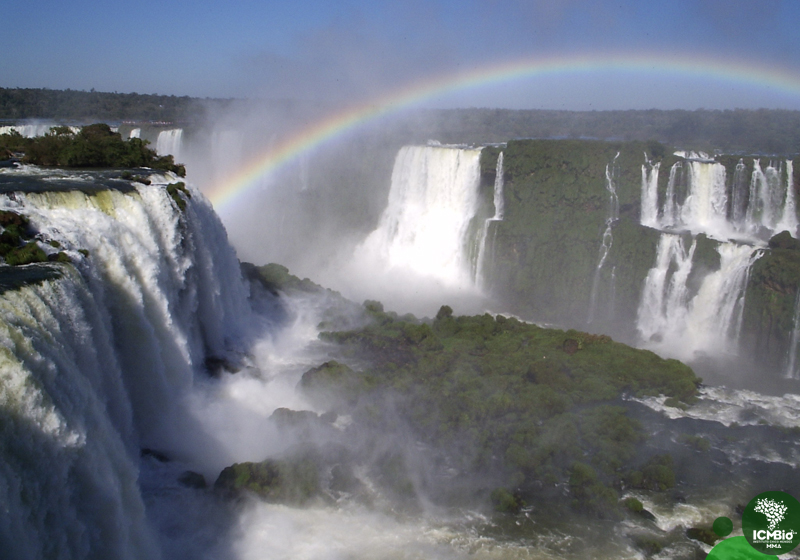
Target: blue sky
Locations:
point(352, 51)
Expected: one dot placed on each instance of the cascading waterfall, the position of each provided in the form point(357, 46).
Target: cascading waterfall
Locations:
point(739, 218)
point(608, 239)
point(788, 221)
point(650, 193)
point(705, 208)
point(432, 202)
point(499, 210)
point(135, 133)
point(95, 363)
point(663, 304)
point(740, 195)
point(669, 216)
point(169, 142)
point(772, 202)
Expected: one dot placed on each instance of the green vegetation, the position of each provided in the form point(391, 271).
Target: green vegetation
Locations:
point(703, 534)
point(633, 505)
point(536, 407)
point(17, 246)
point(94, 146)
point(19, 103)
point(276, 278)
point(179, 193)
point(698, 443)
point(772, 293)
point(294, 481)
point(556, 212)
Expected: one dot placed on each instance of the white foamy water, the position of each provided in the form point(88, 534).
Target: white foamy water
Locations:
point(735, 406)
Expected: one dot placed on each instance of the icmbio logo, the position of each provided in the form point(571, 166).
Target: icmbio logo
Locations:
point(771, 522)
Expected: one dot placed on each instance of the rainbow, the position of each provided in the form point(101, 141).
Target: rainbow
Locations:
point(318, 133)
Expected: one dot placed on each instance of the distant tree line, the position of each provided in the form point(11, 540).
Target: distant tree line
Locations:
point(93, 106)
point(758, 131)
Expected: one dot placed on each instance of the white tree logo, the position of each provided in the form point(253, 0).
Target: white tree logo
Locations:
point(773, 510)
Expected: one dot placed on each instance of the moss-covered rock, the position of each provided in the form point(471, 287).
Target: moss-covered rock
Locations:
point(28, 253)
point(770, 301)
point(330, 385)
point(289, 481)
point(277, 278)
point(179, 194)
point(703, 534)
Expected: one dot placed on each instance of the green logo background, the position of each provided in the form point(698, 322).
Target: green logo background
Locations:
point(756, 521)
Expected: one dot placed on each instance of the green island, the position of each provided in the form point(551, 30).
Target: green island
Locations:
point(469, 410)
point(95, 145)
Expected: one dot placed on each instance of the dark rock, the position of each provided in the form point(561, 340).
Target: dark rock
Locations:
point(288, 481)
point(157, 455)
point(784, 240)
point(216, 365)
point(703, 535)
point(192, 479)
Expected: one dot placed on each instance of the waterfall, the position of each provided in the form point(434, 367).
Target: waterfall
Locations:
point(671, 209)
point(663, 305)
point(705, 208)
point(499, 209)
point(738, 217)
point(499, 202)
point(715, 313)
point(771, 204)
point(608, 239)
point(740, 195)
point(169, 142)
point(135, 133)
point(669, 321)
point(432, 201)
point(788, 221)
point(747, 209)
point(95, 364)
point(650, 193)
